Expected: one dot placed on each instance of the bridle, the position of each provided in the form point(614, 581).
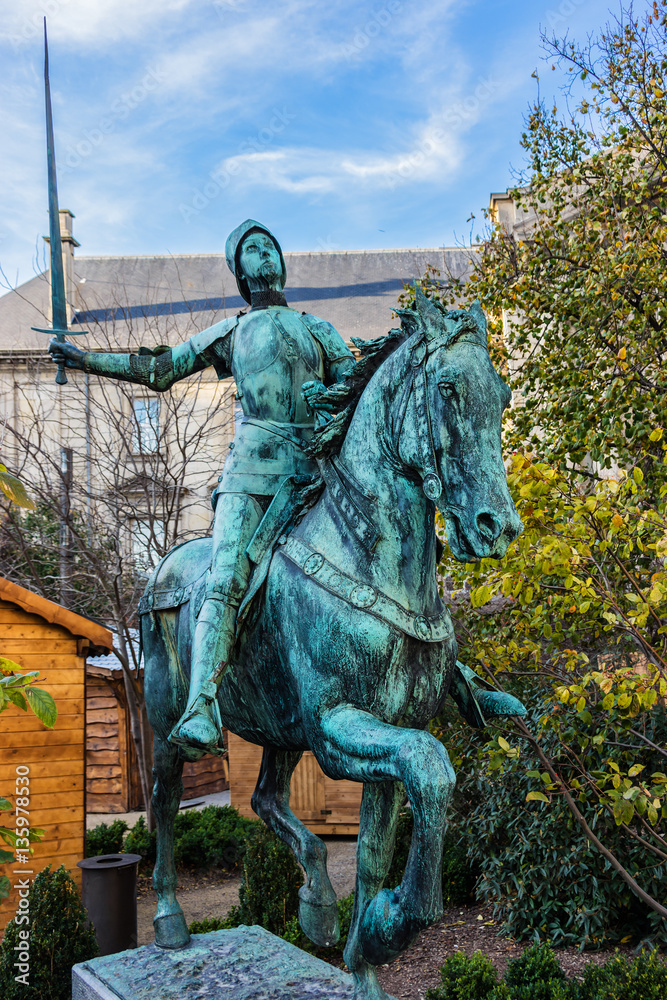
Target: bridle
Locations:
point(431, 482)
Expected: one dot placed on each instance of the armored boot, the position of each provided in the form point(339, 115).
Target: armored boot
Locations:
point(199, 728)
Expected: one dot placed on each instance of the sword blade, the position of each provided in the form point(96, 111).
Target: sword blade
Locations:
point(58, 300)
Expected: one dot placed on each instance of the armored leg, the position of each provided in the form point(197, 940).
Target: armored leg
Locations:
point(236, 518)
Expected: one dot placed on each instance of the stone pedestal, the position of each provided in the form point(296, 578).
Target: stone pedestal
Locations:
point(246, 963)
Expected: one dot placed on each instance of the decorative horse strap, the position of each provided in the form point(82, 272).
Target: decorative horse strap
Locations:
point(430, 479)
point(435, 628)
point(352, 502)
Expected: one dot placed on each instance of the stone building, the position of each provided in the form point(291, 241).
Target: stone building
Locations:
point(114, 439)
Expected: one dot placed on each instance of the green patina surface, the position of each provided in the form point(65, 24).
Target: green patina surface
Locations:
point(246, 963)
point(347, 650)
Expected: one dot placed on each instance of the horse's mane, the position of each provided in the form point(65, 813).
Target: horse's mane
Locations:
point(344, 396)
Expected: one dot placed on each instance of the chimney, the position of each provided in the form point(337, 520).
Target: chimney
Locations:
point(68, 245)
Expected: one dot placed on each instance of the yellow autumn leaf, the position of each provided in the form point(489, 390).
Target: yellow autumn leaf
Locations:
point(536, 797)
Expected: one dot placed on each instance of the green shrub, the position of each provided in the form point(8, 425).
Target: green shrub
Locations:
point(233, 919)
point(215, 836)
point(106, 839)
point(269, 891)
point(543, 876)
point(59, 938)
point(535, 975)
point(459, 875)
point(463, 978)
point(140, 841)
point(269, 887)
point(645, 978)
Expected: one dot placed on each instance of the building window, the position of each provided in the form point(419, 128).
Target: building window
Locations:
point(145, 425)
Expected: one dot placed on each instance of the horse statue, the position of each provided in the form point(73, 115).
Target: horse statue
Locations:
point(350, 651)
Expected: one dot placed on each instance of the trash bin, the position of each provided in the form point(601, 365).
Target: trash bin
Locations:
point(109, 894)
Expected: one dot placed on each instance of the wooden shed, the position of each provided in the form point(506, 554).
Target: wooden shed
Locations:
point(112, 772)
point(40, 635)
point(324, 805)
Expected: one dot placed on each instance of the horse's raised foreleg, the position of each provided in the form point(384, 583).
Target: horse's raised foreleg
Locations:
point(354, 744)
point(318, 913)
point(171, 930)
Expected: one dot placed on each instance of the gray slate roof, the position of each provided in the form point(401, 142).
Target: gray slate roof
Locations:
point(171, 297)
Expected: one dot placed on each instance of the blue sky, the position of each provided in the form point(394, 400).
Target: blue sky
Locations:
point(341, 125)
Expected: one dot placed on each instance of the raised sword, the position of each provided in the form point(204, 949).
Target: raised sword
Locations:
point(58, 299)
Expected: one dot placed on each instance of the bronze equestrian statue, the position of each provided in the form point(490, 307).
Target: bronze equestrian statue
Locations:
point(311, 618)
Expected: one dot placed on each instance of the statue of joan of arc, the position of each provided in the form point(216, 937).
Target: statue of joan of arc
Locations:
point(280, 360)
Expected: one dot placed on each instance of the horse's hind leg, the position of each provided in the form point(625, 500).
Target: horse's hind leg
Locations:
point(318, 913)
point(171, 930)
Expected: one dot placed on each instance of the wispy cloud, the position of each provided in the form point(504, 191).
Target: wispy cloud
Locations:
point(398, 117)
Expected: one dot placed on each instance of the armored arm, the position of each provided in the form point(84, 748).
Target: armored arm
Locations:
point(157, 369)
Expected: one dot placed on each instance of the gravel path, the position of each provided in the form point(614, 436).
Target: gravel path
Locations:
point(214, 893)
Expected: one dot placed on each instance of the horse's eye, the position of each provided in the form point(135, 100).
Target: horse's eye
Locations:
point(447, 390)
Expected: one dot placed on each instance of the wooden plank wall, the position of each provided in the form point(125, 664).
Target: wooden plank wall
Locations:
point(55, 757)
point(107, 784)
point(112, 775)
point(324, 805)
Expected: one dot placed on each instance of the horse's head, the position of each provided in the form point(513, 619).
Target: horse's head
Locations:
point(450, 432)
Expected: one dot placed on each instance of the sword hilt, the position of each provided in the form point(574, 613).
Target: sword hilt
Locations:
point(61, 377)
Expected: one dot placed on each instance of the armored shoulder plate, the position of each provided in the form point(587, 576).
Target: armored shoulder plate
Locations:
point(206, 338)
point(328, 337)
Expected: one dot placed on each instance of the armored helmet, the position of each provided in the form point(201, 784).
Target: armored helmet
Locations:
point(233, 252)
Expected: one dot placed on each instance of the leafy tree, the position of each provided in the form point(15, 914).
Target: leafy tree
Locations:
point(118, 476)
point(574, 619)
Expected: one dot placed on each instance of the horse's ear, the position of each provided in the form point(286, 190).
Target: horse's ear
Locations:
point(477, 314)
point(429, 314)
point(409, 321)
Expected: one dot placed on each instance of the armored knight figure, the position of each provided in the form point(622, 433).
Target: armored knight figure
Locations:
point(280, 360)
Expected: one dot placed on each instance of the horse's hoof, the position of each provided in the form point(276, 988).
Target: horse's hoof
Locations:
point(319, 921)
point(171, 931)
point(366, 985)
point(498, 704)
point(385, 930)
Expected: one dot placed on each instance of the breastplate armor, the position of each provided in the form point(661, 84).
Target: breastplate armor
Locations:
point(273, 354)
